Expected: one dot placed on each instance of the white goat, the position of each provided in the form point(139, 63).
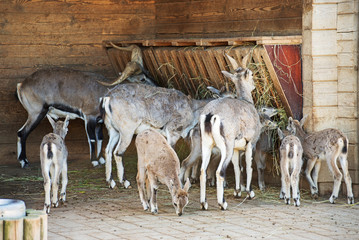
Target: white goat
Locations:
point(291, 162)
point(53, 156)
point(231, 125)
point(157, 161)
point(327, 144)
point(263, 145)
point(130, 109)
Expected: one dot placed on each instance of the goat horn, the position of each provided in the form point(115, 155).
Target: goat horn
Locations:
point(233, 62)
point(131, 69)
point(128, 48)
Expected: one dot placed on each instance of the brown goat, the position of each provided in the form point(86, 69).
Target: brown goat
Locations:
point(157, 161)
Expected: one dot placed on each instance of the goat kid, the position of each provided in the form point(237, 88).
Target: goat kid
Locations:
point(157, 161)
point(231, 125)
point(328, 144)
point(291, 162)
point(53, 156)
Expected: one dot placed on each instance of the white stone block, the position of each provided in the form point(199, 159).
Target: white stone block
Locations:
point(347, 7)
point(347, 59)
point(324, 16)
point(347, 46)
point(353, 36)
point(350, 112)
point(347, 79)
point(324, 117)
point(347, 99)
point(347, 23)
point(324, 42)
point(325, 94)
point(325, 68)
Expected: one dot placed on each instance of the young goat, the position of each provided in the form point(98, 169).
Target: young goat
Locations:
point(158, 161)
point(291, 162)
point(328, 144)
point(53, 156)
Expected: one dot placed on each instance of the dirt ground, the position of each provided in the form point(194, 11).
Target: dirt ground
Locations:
point(93, 211)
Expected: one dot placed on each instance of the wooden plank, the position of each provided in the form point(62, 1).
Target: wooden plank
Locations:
point(181, 72)
point(202, 68)
point(187, 71)
point(212, 69)
point(262, 70)
point(78, 7)
point(171, 68)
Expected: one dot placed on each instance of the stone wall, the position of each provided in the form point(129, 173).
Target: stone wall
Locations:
point(330, 75)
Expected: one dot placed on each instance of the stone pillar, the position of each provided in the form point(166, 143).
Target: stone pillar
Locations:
point(330, 75)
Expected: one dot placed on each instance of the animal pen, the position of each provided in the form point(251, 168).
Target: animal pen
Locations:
point(304, 56)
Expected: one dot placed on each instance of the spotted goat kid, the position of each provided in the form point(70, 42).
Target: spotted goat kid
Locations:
point(53, 156)
point(291, 153)
point(158, 161)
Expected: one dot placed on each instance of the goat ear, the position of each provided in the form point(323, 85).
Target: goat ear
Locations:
point(187, 185)
point(280, 134)
point(245, 60)
point(227, 74)
point(52, 122)
point(302, 121)
point(233, 62)
point(66, 123)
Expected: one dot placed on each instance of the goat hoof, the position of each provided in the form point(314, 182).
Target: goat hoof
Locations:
point(237, 193)
point(112, 184)
point(155, 211)
point(350, 200)
point(287, 200)
point(94, 163)
point(204, 206)
point(56, 204)
point(223, 206)
point(251, 195)
point(47, 208)
point(315, 195)
point(24, 163)
point(127, 184)
point(332, 199)
point(296, 202)
point(102, 161)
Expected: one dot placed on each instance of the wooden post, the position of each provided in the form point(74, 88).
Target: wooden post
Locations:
point(13, 229)
point(32, 226)
point(43, 221)
point(1, 229)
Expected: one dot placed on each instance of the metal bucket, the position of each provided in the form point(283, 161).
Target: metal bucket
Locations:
point(12, 208)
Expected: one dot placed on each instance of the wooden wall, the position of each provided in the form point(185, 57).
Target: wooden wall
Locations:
point(37, 34)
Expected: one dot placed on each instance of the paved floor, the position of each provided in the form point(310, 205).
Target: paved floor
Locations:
point(95, 212)
point(251, 219)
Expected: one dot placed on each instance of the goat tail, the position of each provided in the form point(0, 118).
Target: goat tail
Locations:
point(50, 154)
point(105, 107)
point(343, 145)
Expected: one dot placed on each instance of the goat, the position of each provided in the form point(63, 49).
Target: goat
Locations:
point(265, 113)
point(53, 156)
point(194, 137)
point(291, 162)
point(157, 161)
point(133, 68)
point(130, 109)
point(231, 125)
point(328, 144)
point(60, 92)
